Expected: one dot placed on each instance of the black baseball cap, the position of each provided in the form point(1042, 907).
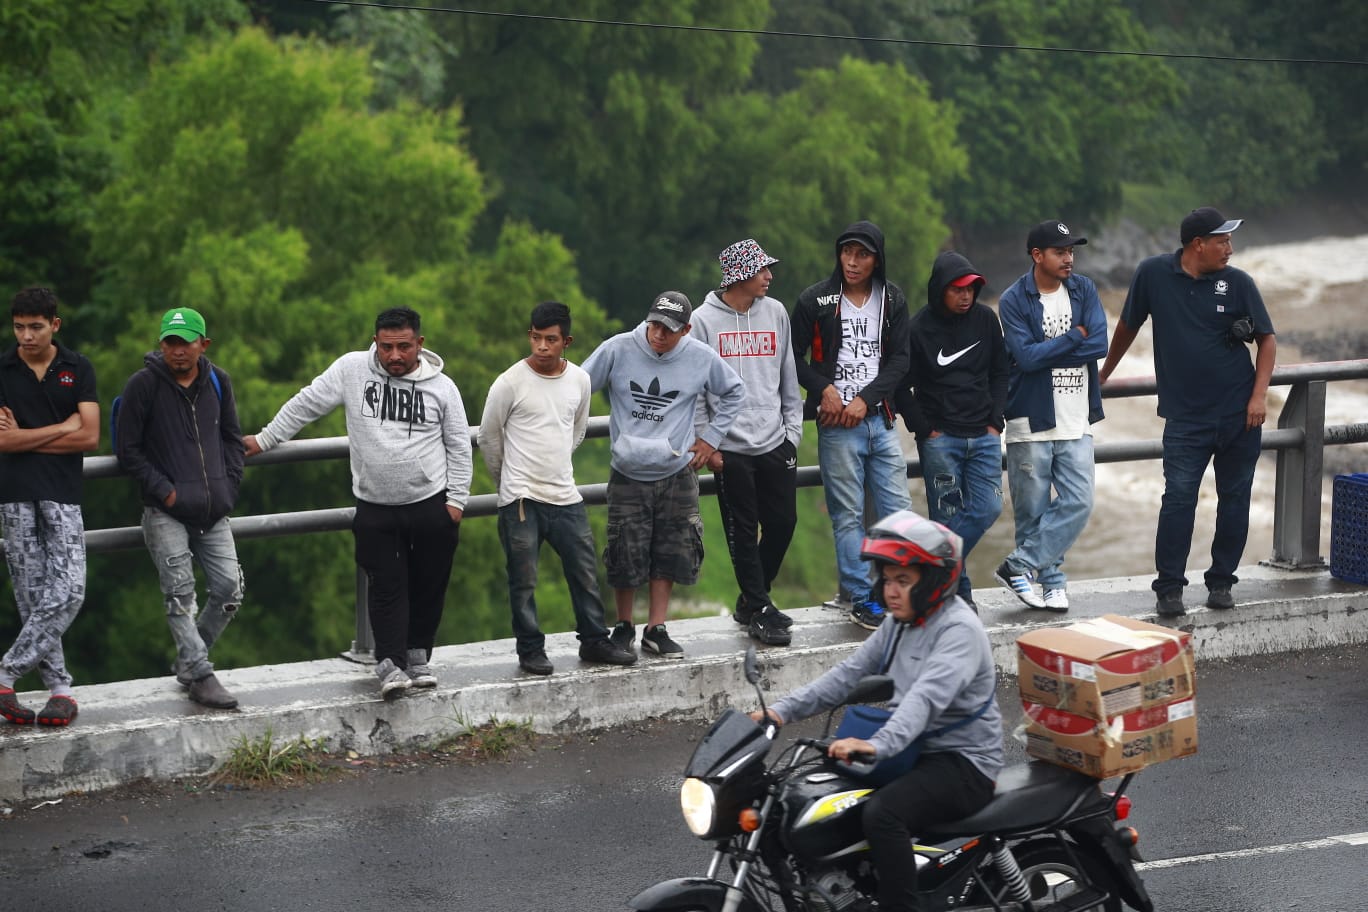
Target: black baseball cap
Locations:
point(1052, 233)
point(671, 308)
point(1205, 221)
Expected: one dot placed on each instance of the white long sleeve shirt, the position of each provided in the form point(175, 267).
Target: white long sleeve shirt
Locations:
point(531, 426)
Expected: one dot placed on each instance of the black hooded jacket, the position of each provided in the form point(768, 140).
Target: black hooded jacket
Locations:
point(958, 366)
point(182, 439)
point(817, 328)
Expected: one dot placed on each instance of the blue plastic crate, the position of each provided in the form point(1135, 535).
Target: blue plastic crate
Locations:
point(1349, 528)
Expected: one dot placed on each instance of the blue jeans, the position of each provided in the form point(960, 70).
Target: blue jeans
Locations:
point(175, 548)
point(963, 487)
point(1046, 529)
point(851, 459)
point(523, 526)
point(1188, 447)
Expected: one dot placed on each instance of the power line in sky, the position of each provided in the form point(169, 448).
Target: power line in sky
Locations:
point(767, 33)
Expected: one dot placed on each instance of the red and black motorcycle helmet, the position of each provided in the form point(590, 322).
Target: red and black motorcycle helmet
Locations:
point(907, 539)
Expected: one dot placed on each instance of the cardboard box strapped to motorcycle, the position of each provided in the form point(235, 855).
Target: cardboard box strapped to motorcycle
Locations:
point(1104, 667)
point(1107, 696)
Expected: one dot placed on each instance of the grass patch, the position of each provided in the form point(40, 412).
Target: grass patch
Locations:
point(495, 739)
point(263, 761)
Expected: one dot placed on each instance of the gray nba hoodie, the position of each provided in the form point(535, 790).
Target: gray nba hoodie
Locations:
point(408, 435)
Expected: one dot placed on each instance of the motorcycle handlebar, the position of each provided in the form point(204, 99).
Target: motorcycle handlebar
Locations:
point(823, 745)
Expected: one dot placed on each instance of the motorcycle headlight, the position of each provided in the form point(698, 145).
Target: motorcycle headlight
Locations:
point(699, 804)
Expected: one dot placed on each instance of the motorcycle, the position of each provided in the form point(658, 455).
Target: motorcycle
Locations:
point(787, 835)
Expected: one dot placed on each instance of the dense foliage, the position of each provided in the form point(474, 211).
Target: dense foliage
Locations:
point(290, 170)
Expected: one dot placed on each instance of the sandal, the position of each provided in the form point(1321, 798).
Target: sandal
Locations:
point(59, 710)
point(11, 709)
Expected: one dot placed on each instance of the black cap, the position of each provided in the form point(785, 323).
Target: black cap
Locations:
point(672, 308)
point(1205, 221)
point(1052, 233)
point(860, 239)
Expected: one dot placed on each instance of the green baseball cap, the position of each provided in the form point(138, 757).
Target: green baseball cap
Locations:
point(184, 323)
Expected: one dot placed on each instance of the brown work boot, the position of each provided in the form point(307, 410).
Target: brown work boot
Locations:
point(207, 691)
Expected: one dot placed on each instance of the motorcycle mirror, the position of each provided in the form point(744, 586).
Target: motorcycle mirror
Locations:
point(752, 665)
point(871, 689)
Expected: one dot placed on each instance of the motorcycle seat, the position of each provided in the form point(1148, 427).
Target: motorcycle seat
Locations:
point(1027, 796)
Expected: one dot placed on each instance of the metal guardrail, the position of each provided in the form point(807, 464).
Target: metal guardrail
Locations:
point(1300, 440)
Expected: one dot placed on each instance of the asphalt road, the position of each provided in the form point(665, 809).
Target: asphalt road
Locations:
point(1264, 817)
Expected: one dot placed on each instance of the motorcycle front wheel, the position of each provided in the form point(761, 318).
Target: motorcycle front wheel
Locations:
point(1052, 876)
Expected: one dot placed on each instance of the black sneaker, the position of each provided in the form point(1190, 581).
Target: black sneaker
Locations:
point(605, 652)
point(623, 635)
point(743, 614)
point(867, 613)
point(1220, 599)
point(1170, 604)
point(655, 639)
point(536, 663)
point(766, 627)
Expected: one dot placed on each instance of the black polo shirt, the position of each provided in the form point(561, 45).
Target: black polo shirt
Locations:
point(1201, 374)
point(70, 380)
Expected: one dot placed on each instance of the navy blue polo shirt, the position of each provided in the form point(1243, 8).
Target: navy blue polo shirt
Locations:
point(1201, 374)
point(70, 380)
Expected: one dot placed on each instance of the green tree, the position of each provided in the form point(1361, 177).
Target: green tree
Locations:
point(1253, 132)
point(62, 68)
point(596, 132)
point(1053, 132)
point(861, 141)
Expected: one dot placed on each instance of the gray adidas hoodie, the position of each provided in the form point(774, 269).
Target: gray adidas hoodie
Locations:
point(408, 435)
point(653, 397)
point(758, 345)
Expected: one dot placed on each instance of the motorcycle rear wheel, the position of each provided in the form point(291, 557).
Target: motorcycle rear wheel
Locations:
point(1053, 875)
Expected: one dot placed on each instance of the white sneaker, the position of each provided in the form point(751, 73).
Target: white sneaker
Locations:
point(1056, 600)
point(1019, 584)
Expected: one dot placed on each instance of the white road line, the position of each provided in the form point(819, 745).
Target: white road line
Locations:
point(1329, 842)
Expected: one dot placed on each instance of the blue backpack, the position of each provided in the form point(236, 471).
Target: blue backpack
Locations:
point(118, 400)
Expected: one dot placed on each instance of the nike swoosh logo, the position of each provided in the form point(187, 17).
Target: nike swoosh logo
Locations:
point(943, 359)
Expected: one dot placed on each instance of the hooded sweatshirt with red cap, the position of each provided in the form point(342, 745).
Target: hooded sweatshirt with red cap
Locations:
point(958, 366)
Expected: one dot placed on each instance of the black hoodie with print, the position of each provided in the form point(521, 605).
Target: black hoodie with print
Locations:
point(958, 366)
point(816, 327)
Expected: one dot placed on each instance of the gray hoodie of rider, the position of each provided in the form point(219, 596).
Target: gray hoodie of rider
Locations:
point(942, 672)
point(407, 435)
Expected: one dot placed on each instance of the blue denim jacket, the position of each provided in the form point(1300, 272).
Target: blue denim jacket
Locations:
point(1030, 390)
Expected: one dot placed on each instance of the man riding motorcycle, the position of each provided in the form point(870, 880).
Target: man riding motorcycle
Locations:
point(941, 663)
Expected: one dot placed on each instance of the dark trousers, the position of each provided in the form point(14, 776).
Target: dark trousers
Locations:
point(942, 786)
point(756, 496)
point(523, 526)
point(1189, 446)
point(406, 552)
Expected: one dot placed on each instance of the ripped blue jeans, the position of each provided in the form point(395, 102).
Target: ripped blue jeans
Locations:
point(963, 478)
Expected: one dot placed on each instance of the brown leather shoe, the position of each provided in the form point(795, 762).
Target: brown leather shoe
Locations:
point(207, 691)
